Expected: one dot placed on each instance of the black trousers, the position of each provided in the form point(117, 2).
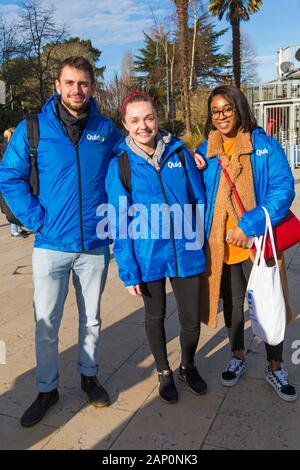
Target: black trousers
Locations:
point(187, 294)
point(233, 289)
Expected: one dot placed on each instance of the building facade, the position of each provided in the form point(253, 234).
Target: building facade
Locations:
point(276, 104)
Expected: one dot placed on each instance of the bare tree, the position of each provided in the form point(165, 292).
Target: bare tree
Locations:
point(39, 29)
point(8, 42)
point(161, 34)
point(111, 94)
point(248, 64)
point(11, 69)
point(128, 75)
point(109, 97)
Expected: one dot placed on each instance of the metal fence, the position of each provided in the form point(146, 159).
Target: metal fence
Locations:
point(281, 120)
point(293, 155)
point(276, 91)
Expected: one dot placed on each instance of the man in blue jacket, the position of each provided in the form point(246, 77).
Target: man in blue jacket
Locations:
point(75, 148)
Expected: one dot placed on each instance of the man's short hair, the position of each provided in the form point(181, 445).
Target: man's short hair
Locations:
point(77, 62)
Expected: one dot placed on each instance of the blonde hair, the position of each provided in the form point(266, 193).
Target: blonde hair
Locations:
point(8, 133)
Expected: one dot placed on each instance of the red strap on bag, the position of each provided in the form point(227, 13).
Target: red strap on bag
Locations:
point(286, 234)
point(233, 188)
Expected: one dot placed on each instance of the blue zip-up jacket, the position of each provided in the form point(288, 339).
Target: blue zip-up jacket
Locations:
point(273, 184)
point(149, 258)
point(71, 180)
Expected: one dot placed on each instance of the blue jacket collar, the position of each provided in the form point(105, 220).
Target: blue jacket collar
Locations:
point(50, 111)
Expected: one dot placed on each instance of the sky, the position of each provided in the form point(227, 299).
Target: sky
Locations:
point(116, 26)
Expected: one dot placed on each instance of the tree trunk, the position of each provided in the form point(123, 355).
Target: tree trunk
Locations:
point(182, 14)
point(167, 77)
point(236, 50)
point(193, 44)
point(172, 101)
point(41, 88)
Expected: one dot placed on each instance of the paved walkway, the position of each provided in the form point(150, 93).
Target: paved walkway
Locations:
point(248, 416)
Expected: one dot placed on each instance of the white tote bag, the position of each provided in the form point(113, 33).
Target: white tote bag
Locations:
point(264, 294)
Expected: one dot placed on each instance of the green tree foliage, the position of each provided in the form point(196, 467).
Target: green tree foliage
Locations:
point(76, 46)
point(235, 11)
point(210, 63)
point(158, 64)
point(150, 64)
point(39, 34)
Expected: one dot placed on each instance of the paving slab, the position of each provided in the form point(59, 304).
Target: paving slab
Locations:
point(91, 428)
point(252, 417)
point(161, 426)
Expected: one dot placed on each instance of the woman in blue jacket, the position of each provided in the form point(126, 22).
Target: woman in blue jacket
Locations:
point(158, 234)
point(259, 169)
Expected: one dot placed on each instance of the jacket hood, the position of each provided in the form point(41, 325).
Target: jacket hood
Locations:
point(162, 139)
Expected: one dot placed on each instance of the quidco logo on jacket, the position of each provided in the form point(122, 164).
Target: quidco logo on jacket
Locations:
point(158, 231)
point(71, 180)
point(273, 184)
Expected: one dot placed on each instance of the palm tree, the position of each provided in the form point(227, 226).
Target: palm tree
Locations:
point(183, 36)
point(236, 10)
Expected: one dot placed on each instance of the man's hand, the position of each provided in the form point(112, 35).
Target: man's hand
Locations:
point(200, 162)
point(135, 291)
point(238, 238)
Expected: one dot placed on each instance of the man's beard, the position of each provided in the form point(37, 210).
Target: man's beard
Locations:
point(79, 108)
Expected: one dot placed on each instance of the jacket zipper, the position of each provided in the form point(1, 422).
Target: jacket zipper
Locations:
point(214, 188)
point(65, 132)
point(80, 196)
point(171, 221)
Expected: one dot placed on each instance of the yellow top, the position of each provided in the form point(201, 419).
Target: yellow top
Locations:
point(233, 254)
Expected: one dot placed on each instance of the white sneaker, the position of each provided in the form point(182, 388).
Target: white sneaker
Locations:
point(233, 372)
point(279, 381)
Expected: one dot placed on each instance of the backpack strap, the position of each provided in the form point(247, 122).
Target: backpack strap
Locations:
point(33, 134)
point(125, 171)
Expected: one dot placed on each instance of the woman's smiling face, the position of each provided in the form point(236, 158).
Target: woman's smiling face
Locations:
point(141, 121)
point(224, 117)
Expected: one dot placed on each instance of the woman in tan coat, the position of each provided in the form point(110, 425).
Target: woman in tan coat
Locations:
point(260, 172)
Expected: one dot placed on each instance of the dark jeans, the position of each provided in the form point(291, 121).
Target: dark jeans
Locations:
point(233, 289)
point(187, 294)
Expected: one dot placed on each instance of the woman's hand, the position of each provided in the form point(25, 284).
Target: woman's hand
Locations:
point(135, 291)
point(200, 162)
point(238, 238)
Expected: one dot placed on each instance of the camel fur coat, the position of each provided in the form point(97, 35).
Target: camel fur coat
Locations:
point(239, 167)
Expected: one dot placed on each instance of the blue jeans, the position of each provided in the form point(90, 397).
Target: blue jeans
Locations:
point(51, 273)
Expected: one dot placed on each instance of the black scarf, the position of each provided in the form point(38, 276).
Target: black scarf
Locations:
point(75, 125)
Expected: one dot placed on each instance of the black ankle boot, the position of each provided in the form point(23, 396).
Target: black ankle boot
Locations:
point(39, 408)
point(97, 394)
point(191, 376)
point(167, 389)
